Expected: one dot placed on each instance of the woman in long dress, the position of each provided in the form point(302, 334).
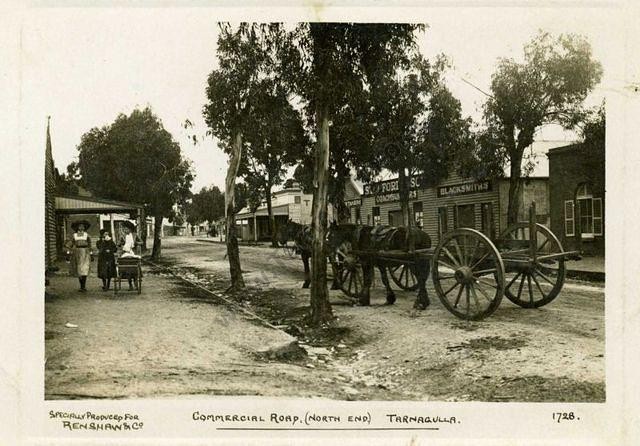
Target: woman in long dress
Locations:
point(80, 247)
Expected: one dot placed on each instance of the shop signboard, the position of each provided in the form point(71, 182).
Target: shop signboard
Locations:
point(394, 196)
point(389, 186)
point(474, 187)
point(354, 202)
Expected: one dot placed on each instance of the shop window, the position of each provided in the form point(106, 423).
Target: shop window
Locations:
point(376, 215)
point(465, 216)
point(597, 216)
point(417, 213)
point(589, 211)
point(487, 224)
point(442, 220)
point(297, 199)
point(569, 219)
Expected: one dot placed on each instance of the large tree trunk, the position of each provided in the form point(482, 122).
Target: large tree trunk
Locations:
point(320, 306)
point(403, 191)
point(272, 218)
point(157, 239)
point(515, 185)
point(233, 253)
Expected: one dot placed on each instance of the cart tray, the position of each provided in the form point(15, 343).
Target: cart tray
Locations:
point(396, 253)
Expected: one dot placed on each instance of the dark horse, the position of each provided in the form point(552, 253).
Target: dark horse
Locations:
point(303, 239)
point(382, 238)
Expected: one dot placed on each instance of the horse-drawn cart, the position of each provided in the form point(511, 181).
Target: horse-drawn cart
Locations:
point(470, 272)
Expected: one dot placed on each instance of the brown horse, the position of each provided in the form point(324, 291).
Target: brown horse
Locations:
point(380, 238)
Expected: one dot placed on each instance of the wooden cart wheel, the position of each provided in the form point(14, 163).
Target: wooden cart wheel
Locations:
point(532, 284)
point(348, 270)
point(402, 275)
point(468, 274)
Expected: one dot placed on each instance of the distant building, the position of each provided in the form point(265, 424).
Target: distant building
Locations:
point(286, 204)
point(353, 200)
point(576, 197)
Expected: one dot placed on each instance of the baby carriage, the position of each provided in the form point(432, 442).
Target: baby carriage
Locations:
point(128, 267)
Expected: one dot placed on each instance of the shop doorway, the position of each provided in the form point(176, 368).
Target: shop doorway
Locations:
point(465, 216)
point(395, 218)
point(488, 227)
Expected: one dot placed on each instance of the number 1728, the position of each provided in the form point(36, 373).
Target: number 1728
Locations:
point(564, 416)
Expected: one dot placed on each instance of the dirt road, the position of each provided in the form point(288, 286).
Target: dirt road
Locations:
point(555, 353)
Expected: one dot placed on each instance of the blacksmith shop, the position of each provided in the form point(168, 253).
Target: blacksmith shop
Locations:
point(456, 202)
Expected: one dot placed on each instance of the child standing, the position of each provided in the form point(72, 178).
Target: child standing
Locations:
point(106, 259)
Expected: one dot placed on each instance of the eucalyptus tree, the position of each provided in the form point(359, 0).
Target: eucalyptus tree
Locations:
point(244, 62)
point(548, 87)
point(325, 64)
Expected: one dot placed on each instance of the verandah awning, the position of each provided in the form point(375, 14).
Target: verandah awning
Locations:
point(92, 205)
point(283, 209)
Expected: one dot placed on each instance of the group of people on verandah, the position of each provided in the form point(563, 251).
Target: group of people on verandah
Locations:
point(81, 253)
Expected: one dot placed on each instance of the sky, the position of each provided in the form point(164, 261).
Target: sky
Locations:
point(83, 67)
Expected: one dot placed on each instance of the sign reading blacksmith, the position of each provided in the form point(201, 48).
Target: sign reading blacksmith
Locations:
point(453, 190)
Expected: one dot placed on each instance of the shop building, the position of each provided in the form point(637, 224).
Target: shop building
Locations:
point(99, 212)
point(454, 203)
point(576, 197)
point(353, 200)
point(287, 204)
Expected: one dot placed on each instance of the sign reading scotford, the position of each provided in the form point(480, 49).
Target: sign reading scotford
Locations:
point(388, 191)
point(453, 190)
point(389, 186)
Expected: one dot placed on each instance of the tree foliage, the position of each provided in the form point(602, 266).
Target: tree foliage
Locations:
point(68, 183)
point(549, 87)
point(274, 140)
point(419, 126)
point(592, 150)
point(135, 159)
point(207, 205)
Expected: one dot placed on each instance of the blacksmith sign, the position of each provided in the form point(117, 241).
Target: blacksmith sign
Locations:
point(453, 190)
point(387, 191)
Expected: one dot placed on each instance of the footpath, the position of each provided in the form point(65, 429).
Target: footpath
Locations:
point(171, 339)
point(587, 268)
